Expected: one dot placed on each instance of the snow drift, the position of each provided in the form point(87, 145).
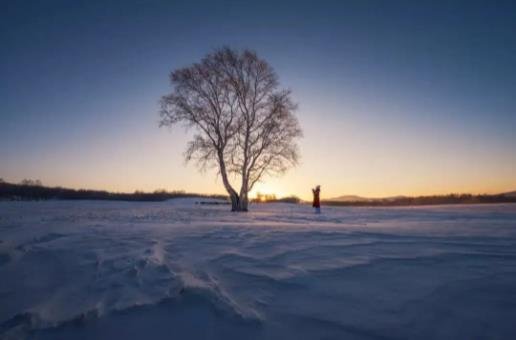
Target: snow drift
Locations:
point(104, 270)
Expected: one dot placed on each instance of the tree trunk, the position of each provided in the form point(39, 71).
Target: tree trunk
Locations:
point(244, 200)
point(243, 203)
point(237, 203)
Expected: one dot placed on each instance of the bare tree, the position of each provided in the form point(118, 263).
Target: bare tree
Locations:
point(245, 125)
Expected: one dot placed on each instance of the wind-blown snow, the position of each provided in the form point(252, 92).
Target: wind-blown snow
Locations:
point(125, 270)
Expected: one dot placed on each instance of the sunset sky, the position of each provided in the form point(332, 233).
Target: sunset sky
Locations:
point(395, 97)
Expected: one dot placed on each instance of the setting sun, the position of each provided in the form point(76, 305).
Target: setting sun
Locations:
point(267, 189)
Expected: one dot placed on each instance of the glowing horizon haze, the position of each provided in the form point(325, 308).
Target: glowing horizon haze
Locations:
point(395, 98)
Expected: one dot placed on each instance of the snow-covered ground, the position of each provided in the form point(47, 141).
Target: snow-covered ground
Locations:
point(177, 270)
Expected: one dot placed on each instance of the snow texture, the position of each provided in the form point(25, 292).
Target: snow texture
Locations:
point(180, 270)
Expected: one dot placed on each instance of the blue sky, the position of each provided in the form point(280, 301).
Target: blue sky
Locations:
point(397, 97)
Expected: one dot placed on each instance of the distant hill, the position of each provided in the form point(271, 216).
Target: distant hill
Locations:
point(349, 198)
point(352, 200)
point(509, 194)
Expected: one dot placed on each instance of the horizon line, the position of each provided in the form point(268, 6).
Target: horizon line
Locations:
point(4, 181)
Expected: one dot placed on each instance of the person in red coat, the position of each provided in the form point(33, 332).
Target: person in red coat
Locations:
point(317, 200)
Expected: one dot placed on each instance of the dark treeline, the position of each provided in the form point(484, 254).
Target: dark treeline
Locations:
point(429, 200)
point(33, 190)
point(29, 190)
point(264, 198)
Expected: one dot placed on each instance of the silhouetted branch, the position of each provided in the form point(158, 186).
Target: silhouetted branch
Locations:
point(246, 125)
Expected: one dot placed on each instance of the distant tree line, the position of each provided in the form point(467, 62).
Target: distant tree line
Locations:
point(429, 200)
point(271, 198)
point(29, 190)
point(31, 182)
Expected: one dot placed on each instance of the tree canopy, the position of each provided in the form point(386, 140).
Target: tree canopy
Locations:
point(244, 122)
